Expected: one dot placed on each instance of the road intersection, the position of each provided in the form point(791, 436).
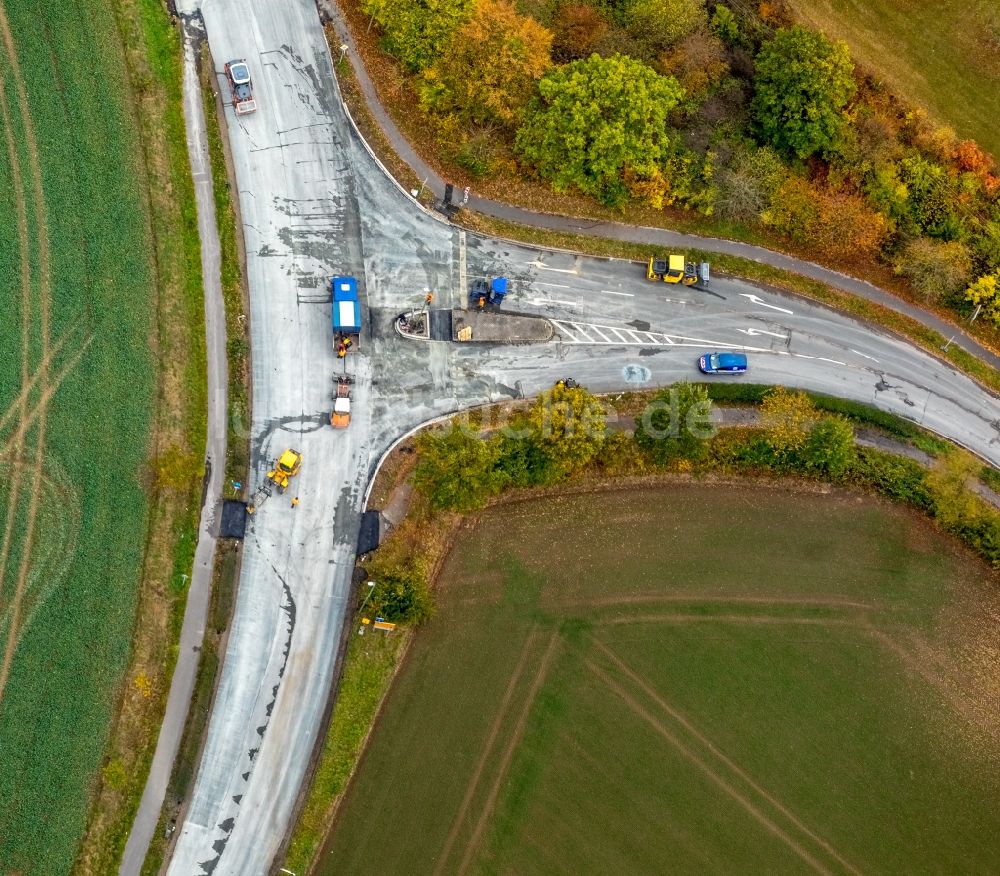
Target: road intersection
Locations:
point(314, 204)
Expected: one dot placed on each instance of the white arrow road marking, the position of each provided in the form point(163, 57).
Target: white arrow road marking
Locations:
point(757, 300)
point(865, 355)
point(753, 332)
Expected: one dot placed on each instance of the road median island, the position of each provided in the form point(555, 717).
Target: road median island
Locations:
point(499, 328)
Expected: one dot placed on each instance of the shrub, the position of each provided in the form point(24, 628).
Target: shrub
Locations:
point(788, 417)
point(936, 270)
point(829, 447)
point(676, 423)
point(401, 593)
point(457, 470)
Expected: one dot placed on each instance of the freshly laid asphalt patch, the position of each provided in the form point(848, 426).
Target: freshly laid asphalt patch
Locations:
point(234, 519)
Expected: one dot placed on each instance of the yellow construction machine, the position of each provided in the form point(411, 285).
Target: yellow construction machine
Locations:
point(675, 269)
point(285, 468)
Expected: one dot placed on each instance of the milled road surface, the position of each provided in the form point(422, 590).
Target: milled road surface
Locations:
point(314, 204)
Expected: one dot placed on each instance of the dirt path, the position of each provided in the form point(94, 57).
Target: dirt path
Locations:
point(44, 293)
point(508, 755)
point(682, 719)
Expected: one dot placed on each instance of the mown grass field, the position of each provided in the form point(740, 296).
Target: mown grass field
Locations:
point(943, 56)
point(614, 683)
point(77, 386)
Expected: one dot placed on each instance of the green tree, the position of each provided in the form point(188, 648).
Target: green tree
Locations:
point(803, 82)
point(829, 447)
point(490, 69)
point(402, 592)
point(569, 425)
point(593, 119)
point(788, 418)
point(456, 469)
point(418, 31)
point(676, 423)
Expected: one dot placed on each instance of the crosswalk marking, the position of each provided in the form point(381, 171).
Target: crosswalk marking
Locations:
point(609, 336)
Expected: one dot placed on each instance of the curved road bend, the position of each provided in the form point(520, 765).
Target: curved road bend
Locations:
point(639, 233)
point(315, 204)
point(196, 609)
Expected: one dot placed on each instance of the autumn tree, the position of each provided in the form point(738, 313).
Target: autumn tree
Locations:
point(456, 469)
point(491, 66)
point(594, 119)
point(569, 425)
point(658, 24)
point(839, 225)
point(697, 61)
point(577, 28)
point(950, 483)
point(935, 269)
point(985, 295)
point(418, 31)
point(788, 418)
point(803, 82)
point(676, 423)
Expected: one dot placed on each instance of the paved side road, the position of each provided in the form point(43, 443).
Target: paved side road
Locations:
point(637, 233)
point(193, 627)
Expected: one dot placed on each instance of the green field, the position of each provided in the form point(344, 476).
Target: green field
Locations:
point(77, 382)
point(613, 684)
point(943, 56)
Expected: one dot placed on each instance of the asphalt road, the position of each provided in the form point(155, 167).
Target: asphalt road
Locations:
point(315, 204)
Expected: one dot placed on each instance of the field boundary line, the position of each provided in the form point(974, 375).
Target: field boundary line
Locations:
point(686, 723)
point(748, 619)
point(470, 790)
point(725, 786)
point(508, 755)
point(44, 302)
point(642, 598)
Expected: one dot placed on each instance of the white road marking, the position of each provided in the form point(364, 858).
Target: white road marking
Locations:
point(819, 359)
point(542, 267)
point(609, 336)
point(538, 301)
point(752, 332)
point(757, 300)
point(864, 355)
point(623, 294)
point(554, 285)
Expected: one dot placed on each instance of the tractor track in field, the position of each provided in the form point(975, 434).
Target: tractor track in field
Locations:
point(28, 525)
point(662, 730)
point(463, 809)
point(678, 716)
point(508, 754)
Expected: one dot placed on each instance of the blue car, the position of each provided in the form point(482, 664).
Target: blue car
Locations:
point(723, 363)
